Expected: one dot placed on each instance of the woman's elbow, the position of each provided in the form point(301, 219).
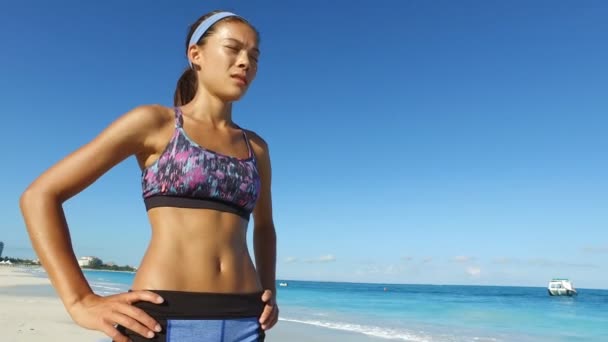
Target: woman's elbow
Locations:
point(31, 198)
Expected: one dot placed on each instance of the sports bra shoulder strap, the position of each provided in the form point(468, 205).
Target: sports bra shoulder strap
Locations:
point(179, 119)
point(251, 154)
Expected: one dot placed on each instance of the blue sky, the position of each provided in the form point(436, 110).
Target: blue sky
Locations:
point(433, 142)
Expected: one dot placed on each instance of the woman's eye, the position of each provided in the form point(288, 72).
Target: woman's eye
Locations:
point(233, 49)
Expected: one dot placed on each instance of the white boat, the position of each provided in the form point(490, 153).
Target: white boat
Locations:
point(283, 284)
point(561, 287)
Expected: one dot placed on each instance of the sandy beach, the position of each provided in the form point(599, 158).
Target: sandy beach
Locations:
point(31, 312)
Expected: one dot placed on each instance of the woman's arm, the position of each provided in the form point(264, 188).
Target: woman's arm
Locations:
point(41, 203)
point(264, 235)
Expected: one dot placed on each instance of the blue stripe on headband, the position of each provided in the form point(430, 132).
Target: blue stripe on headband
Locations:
point(205, 25)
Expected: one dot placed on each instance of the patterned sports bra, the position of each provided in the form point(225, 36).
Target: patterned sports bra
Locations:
point(187, 175)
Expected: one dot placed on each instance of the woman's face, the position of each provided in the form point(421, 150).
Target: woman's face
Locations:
point(228, 60)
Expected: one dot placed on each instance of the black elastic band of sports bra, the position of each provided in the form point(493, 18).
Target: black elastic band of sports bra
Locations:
point(194, 203)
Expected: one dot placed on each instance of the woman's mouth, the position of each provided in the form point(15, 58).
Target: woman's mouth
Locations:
point(240, 79)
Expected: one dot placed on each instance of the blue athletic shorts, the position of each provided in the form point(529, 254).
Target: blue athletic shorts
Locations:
point(204, 317)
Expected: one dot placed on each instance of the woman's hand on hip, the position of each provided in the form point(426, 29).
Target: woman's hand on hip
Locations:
point(105, 313)
point(270, 315)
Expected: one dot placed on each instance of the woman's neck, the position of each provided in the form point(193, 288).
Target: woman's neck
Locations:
point(207, 108)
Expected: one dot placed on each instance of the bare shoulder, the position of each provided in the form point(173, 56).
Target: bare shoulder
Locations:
point(149, 116)
point(148, 124)
point(259, 145)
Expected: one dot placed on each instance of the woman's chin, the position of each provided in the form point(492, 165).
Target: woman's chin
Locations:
point(232, 96)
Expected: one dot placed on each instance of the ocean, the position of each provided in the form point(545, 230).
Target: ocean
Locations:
point(430, 313)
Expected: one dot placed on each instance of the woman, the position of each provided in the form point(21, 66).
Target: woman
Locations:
point(202, 178)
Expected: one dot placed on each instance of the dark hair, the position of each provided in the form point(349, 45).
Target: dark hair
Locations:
point(187, 84)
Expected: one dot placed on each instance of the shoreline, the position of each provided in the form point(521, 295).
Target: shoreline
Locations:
point(33, 312)
point(99, 269)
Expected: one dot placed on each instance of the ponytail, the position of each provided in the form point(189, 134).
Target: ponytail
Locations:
point(186, 88)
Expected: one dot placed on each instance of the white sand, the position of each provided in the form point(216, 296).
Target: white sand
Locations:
point(35, 317)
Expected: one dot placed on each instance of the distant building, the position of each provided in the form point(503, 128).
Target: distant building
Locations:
point(88, 261)
point(1, 248)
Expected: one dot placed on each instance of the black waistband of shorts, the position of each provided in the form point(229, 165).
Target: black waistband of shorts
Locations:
point(203, 305)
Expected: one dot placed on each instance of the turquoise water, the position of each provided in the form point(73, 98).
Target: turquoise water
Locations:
point(428, 313)
point(448, 313)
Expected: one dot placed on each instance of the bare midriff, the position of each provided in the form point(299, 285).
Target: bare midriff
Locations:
point(197, 250)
